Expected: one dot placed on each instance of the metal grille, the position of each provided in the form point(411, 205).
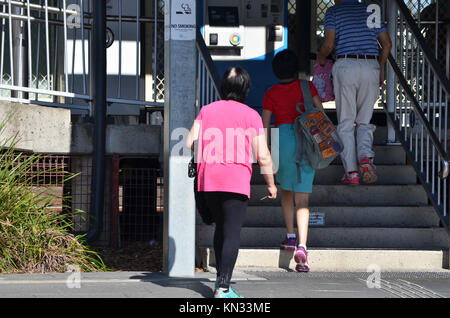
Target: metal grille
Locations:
point(80, 191)
point(322, 7)
point(137, 209)
point(45, 170)
point(46, 174)
point(51, 173)
point(134, 201)
point(433, 23)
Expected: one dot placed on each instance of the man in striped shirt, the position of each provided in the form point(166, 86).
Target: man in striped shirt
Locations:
point(354, 29)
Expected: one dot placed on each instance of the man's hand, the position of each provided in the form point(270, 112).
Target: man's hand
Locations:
point(327, 47)
point(381, 78)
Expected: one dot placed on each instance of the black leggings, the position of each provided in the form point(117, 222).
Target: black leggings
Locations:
point(229, 215)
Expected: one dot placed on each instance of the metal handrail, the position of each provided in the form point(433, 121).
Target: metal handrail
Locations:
point(443, 81)
point(422, 117)
point(208, 80)
point(209, 64)
point(418, 107)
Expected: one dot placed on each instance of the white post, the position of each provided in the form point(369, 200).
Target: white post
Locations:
point(179, 114)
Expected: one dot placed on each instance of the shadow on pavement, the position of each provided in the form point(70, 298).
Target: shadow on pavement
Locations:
point(198, 285)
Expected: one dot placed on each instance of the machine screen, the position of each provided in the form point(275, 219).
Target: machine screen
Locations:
point(223, 16)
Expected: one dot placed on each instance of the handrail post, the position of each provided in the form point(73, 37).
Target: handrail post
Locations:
point(390, 88)
point(447, 44)
point(99, 109)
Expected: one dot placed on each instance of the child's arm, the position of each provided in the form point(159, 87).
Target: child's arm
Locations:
point(318, 103)
point(266, 118)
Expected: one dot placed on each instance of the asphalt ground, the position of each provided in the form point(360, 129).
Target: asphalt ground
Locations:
point(251, 284)
point(267, 294)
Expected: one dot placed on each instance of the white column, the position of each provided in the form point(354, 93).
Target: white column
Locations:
point(179, 114)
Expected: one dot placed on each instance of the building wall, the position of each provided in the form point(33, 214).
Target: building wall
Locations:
point(43, 129)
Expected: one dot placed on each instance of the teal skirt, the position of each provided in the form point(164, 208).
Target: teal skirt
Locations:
point(287, 168)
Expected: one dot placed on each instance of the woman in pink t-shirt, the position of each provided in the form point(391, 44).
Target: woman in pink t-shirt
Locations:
point(227, 131)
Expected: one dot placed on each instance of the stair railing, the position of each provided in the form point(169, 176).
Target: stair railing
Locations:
point(208, 80)
point(420, 111)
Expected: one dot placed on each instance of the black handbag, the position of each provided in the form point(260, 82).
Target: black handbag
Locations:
point(200, 201)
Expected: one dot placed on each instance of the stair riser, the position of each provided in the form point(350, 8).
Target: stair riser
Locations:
point(338, 260)
point(350, 216)
point(384, 155)
point(339, 195)
point(387, 175)
point(410, 238)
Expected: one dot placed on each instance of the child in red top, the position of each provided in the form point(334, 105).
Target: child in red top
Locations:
point(281, 101)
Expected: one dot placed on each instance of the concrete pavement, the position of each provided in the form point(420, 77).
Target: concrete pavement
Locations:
point(251, 284)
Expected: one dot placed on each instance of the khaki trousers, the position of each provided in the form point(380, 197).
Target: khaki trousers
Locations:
point(356, 87)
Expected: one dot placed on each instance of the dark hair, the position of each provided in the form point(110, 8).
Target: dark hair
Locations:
point(235, 84)
point(285, 65)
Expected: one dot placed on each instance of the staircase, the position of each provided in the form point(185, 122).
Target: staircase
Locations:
point(389, 224)
point(398, 224)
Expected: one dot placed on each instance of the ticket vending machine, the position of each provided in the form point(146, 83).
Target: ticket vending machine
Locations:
point(246, 33)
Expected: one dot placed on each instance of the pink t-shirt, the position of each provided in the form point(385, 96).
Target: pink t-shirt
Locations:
point(225, 157)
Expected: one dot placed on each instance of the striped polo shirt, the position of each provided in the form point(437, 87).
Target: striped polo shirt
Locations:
point(353, 35)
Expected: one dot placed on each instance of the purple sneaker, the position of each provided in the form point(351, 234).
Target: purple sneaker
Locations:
point(301, 258)
point(289, 244)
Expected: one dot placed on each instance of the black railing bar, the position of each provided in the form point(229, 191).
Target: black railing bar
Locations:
point(211, 68)
point(428, 54)
point(35, 19)
point(444, 22)
point(423, 119)
point(86, 25)
point(87, 15)
point(38, 7)
point(115, 18)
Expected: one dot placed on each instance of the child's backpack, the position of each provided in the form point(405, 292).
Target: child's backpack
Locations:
point(317, 139)
point(323, 82)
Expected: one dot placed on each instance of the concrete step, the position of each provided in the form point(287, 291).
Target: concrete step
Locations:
point(339, 237)
point(339, 260)
point(392, 174)
point(385, 155)
point(349, 216)
point(342, 195)
point(379, 136)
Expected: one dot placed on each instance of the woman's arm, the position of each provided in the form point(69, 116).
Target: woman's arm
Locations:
point(193, 135)
point(262, 152)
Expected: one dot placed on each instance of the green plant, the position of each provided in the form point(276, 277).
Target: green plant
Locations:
point(34, 236)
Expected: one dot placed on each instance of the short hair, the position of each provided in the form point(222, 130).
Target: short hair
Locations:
point(235, 84)
point(285, 65)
